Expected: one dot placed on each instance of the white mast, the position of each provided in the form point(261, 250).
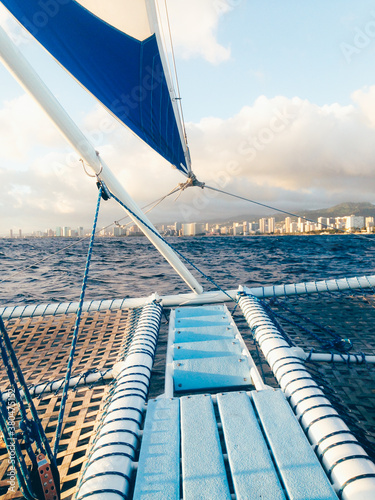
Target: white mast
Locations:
point(32, 83)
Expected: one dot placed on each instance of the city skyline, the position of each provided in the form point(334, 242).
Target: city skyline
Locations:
point(264, 225)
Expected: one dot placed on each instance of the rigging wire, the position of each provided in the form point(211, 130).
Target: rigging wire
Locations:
point(175, 72)
point(340, 344)
point(155, 203)
point(85, 170)
point(32, 428)
point(208, 278)
point(328, 226)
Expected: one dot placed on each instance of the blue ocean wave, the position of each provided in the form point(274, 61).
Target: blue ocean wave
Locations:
point(131, 267)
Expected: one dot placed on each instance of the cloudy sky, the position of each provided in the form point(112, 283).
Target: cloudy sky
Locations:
point(279, 104)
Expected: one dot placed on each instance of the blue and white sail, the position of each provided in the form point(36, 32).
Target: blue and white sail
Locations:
point(113, 49)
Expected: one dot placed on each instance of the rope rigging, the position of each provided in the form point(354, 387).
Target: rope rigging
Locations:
point(14, 451)
point(208, 278)
point(340, 344)
point(32, 432)
point(76, 326)
point(43, 480)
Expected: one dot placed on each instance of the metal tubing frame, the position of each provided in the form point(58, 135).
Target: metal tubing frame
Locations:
point(350, 359)
point(77, 380)
point(188, 299)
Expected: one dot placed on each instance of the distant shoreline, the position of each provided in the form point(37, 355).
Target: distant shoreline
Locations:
point(30, 237)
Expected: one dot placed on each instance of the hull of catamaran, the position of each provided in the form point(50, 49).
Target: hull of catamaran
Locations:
point(217, 426)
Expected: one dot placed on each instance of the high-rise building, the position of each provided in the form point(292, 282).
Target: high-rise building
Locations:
point(323, 223)
point(340, 222)
point(271, 225)
point(237, 229)
point(193, 229)
point(293, 228)
point(355, 222)
point(262, 225)
point(288, 222)
point(369, 222)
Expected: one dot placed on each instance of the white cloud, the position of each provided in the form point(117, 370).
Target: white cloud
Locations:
point(22, 126)
point(285, 152)
point(293, 146)
point(195, 26)
point(365, 99)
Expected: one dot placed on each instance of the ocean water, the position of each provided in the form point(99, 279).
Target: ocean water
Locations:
point(49, 270)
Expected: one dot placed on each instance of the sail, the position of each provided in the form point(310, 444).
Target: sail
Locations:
point(112, 49)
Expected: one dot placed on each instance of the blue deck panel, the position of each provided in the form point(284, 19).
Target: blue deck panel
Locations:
point(300, 470)
point(210, 321)
point(203, 332)
point(253, 473)
point(210, 373)
point(203, 470)
point(158, 476)
point(190, 312)
point(207, 349)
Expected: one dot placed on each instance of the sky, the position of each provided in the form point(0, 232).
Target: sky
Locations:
point(279, 105)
